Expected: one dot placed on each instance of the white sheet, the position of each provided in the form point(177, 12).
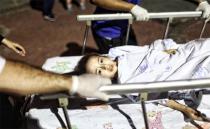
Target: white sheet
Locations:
point(151, 63)
point(105, 117)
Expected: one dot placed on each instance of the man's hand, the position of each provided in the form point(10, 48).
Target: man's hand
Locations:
point(205, 7)
point(87, 85)
point(140, 13)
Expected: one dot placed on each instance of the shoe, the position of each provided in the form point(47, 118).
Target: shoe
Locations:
point(82, 6)
point(50, 18)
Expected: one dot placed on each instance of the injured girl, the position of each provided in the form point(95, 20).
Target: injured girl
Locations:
point(162, 60)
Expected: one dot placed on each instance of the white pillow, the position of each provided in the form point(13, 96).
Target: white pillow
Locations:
point(61, 65)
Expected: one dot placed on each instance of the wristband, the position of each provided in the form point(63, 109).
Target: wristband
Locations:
point(75, 83)
point(1, 38)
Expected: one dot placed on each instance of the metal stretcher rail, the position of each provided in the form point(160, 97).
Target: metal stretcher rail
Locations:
point(142, 88)
point(120, 16)
point(127, 16)
point(145, 88)
point(156, 86)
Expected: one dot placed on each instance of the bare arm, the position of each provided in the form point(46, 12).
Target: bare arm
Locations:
point(189, 112)
point(23, 79)
point(122, 5)
point(10, 44)
point(199, 1)
point(114, 4)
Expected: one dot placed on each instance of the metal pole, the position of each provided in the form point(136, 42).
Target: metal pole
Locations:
point(167, 27)
point(143, 98)
point(66, 117)
point(120, 16)
point(175, 14)
point(204, 26)
point(144, 114)
point(128, 31)
point(155, 86)
point(63, 102)
point(88, 24)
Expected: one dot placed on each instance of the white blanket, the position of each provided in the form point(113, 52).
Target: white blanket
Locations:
point(105, 117)
point(151, 63)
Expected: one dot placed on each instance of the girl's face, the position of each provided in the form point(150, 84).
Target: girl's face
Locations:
point(103, 66)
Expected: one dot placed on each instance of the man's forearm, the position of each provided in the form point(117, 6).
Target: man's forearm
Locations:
point(23, 79)
point(199, 1)
point(113, 4)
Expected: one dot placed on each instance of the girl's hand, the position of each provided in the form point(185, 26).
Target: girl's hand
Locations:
point(14, 46)
point(190, 113)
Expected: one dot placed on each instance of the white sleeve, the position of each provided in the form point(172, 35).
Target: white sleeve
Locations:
point(2, 63)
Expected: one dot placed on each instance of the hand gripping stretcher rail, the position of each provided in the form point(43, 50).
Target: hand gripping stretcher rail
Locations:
point(142, 88)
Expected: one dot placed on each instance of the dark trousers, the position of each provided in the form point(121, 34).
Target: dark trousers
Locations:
point(104, 44)
point(10, 117)
point(47, 7)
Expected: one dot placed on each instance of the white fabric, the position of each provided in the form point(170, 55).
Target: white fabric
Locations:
point(105, 117)
point(61, 65)
point(151, 63)
point(2, 63)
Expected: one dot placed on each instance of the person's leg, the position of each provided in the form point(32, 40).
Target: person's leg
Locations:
point(69, 5)
point(82, 5)
point(47, 10)
point(103, 46)
point(68, 2)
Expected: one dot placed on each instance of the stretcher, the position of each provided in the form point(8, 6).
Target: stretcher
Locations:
point(135, 115)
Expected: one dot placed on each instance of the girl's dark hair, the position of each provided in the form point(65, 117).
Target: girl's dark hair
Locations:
point(81, 66)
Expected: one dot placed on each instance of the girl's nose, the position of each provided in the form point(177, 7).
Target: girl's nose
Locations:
point(108, 67)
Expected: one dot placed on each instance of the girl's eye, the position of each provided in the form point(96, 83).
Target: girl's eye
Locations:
point(101, 61)
point(99, 72)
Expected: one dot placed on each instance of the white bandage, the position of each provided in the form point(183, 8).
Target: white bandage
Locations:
point(2, 63)
point(75, 84)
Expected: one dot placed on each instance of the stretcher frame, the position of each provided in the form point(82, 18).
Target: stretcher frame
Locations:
point(127, 16)
point(143, 88)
